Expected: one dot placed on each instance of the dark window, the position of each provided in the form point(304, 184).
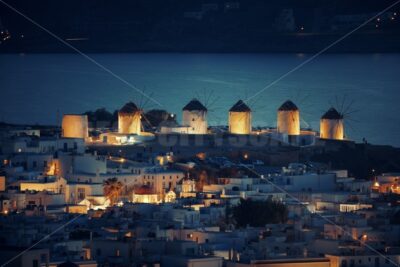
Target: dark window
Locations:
point(35, 263)
point(81, 193)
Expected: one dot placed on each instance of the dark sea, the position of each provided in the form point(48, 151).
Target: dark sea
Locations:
point(364, 86)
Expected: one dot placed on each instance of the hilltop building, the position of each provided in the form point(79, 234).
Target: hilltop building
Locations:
point(129, 128)
point(195, 116)
point(240, 118)
point(75, 126)
point(129, 119)
point(331, 125)
point(288, 119)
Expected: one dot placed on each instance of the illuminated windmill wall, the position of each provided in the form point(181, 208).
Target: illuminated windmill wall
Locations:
point(240, 118)
point(195, 117)
point(288, 119)
point(75, 126)
point(129, 119)
point(331, 125)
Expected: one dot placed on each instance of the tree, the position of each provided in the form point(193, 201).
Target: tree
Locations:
point(112, 189)
point(156, 116)
point(259, 213)
point(101, 114)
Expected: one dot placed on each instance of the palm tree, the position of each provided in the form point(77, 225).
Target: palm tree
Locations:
point(112, 189)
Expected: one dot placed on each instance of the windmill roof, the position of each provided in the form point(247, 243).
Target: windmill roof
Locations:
point(288, 105)
point(129, 107)
point(194, 104)
point(332, 114)
point(240, 106)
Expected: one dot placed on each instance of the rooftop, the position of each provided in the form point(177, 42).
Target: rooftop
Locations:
point(194, 104)
point(240, 106)
point(129, 107)
point(332, 114)
point(288, 106)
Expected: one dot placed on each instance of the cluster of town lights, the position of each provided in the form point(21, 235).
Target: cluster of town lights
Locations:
point(378, 20)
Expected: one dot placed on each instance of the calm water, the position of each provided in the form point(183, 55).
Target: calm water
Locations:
point(34, 87)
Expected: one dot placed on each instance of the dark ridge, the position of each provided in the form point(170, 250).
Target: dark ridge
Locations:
point(218, 26)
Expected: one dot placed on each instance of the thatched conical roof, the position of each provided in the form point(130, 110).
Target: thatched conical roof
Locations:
point(194, 104)
point(129, 107)
point(332, 114)
point(240, 106)
point(288, 106)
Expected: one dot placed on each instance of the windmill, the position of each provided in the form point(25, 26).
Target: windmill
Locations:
point(195, 117)
point(240, 118)
point(241, 115)
point(336, 119)
point(331, 125)
point(130, 116)
point(288, 119)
